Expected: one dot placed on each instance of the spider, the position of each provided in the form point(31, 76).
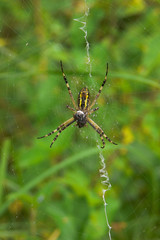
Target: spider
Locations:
point(81, 112)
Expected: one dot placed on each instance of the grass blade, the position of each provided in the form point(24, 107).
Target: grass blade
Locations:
point(3, 166)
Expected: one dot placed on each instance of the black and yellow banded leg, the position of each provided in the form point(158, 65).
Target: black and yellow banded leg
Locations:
point(58, 128)
point(104, 135)
point(102, 141)
point(105, 79)
point(68, 87)
point(49, 133)
point(93, 110)
point(70, 108)
point(99, 131)
point(67, 123)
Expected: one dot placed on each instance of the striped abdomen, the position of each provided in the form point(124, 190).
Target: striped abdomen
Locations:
point(83, 99)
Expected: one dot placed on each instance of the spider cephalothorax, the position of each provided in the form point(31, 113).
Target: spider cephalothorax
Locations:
point(80, 118)
point(81, 112)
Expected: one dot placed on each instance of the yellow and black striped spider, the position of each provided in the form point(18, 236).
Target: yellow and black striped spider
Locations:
point(82, 112)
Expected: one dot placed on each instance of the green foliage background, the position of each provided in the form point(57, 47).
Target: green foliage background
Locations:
point(57, 193)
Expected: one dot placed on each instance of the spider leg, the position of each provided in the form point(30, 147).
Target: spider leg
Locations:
point(49, 133)
point(102, 141)
point(65, 125)
point(68, 87)
point(105, 79)
point(99, 131)
point(104, 135)
point(72, 109)
point(58, 128)
point(93, 110)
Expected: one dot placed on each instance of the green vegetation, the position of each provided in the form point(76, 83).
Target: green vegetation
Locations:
point(57, 193)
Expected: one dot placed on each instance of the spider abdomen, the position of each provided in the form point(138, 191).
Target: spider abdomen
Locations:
point(80, 118)
point(83, 99)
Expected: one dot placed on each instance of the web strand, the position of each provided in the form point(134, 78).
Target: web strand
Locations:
point(83, 21)
point(107, 186)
